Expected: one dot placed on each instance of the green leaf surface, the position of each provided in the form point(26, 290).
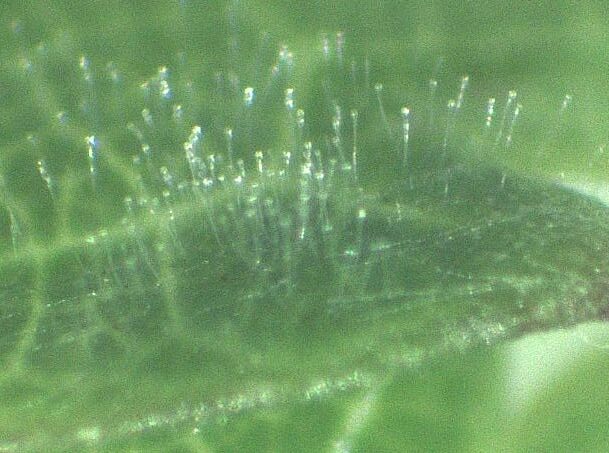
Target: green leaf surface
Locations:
point(541, 393)
point(242, 241)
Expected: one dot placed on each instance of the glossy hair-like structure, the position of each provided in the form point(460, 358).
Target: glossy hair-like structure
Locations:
point(230, 228)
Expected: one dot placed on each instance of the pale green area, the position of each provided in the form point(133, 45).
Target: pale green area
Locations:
point(222, 325)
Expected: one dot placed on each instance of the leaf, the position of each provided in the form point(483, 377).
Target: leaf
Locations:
point(188, 259)
point(499, 399)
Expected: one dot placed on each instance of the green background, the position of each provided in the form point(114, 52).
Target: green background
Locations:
point(142, 387)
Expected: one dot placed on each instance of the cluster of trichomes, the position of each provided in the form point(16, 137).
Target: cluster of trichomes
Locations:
point(193, 212)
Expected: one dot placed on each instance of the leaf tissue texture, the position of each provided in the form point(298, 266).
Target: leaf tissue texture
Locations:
point(181, 250)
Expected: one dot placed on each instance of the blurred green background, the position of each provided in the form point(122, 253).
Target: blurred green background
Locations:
point(542, 49)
